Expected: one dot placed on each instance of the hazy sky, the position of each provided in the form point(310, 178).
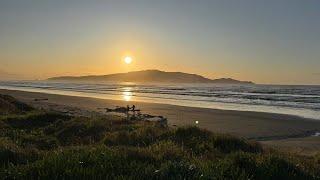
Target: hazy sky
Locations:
point(266, 41)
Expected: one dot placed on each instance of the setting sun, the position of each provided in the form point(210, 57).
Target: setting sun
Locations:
point(127, 59)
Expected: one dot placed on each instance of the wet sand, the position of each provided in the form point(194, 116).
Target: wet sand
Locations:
point(272, 129)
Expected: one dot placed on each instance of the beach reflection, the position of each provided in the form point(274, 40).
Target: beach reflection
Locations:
point(127, 93)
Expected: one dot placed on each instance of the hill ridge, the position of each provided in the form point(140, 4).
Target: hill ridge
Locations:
point(151, 75)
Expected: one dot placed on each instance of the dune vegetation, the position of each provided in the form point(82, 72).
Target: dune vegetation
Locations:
point(38, 144)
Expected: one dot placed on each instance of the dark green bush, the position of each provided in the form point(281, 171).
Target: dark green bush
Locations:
point(10, 153)
point(143, 136)
point(228, 144)
point(201, 141)
point(40, 142)
point(273, 166)
point(33, 120)
point(81, 131)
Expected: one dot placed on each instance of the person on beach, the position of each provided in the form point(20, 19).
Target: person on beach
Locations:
point(127, 112)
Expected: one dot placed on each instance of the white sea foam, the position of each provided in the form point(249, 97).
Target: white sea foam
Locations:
point(317, 134)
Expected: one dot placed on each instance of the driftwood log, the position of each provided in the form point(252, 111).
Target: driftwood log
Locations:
point(135, 114)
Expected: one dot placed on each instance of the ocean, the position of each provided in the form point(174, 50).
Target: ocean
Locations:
point(284, 99)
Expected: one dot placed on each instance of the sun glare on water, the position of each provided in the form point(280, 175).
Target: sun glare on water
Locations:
point(128, 60)
point(127, 93)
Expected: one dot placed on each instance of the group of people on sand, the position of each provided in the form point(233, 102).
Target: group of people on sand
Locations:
point(136, 115)
point(131, 109)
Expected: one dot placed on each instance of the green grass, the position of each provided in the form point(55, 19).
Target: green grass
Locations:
point(45, 145)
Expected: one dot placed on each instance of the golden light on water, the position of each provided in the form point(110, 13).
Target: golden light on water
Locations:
point(127, 94)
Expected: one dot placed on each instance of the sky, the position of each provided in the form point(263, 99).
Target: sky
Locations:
point(265, 41)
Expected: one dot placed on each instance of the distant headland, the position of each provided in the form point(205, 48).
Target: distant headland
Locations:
point(151, 76)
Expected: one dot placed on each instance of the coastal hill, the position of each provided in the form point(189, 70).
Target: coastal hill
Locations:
point(151, 76)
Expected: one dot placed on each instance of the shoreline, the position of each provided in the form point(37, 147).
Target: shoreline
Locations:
point(269, 128)
point(196, 103)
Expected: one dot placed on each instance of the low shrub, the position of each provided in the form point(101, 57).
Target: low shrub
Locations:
point(81, 131)
point(10, 153)
point(33, 120)
point(143, 136)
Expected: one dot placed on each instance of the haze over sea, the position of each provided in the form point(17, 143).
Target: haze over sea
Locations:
point(284, 99)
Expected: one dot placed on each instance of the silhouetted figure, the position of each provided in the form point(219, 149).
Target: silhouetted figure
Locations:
point(127, 112)
point(133, 110)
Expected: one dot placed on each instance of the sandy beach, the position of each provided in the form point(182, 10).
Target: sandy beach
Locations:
point(285, 131)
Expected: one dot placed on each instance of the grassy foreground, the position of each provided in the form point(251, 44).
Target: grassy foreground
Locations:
point(37, 144)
